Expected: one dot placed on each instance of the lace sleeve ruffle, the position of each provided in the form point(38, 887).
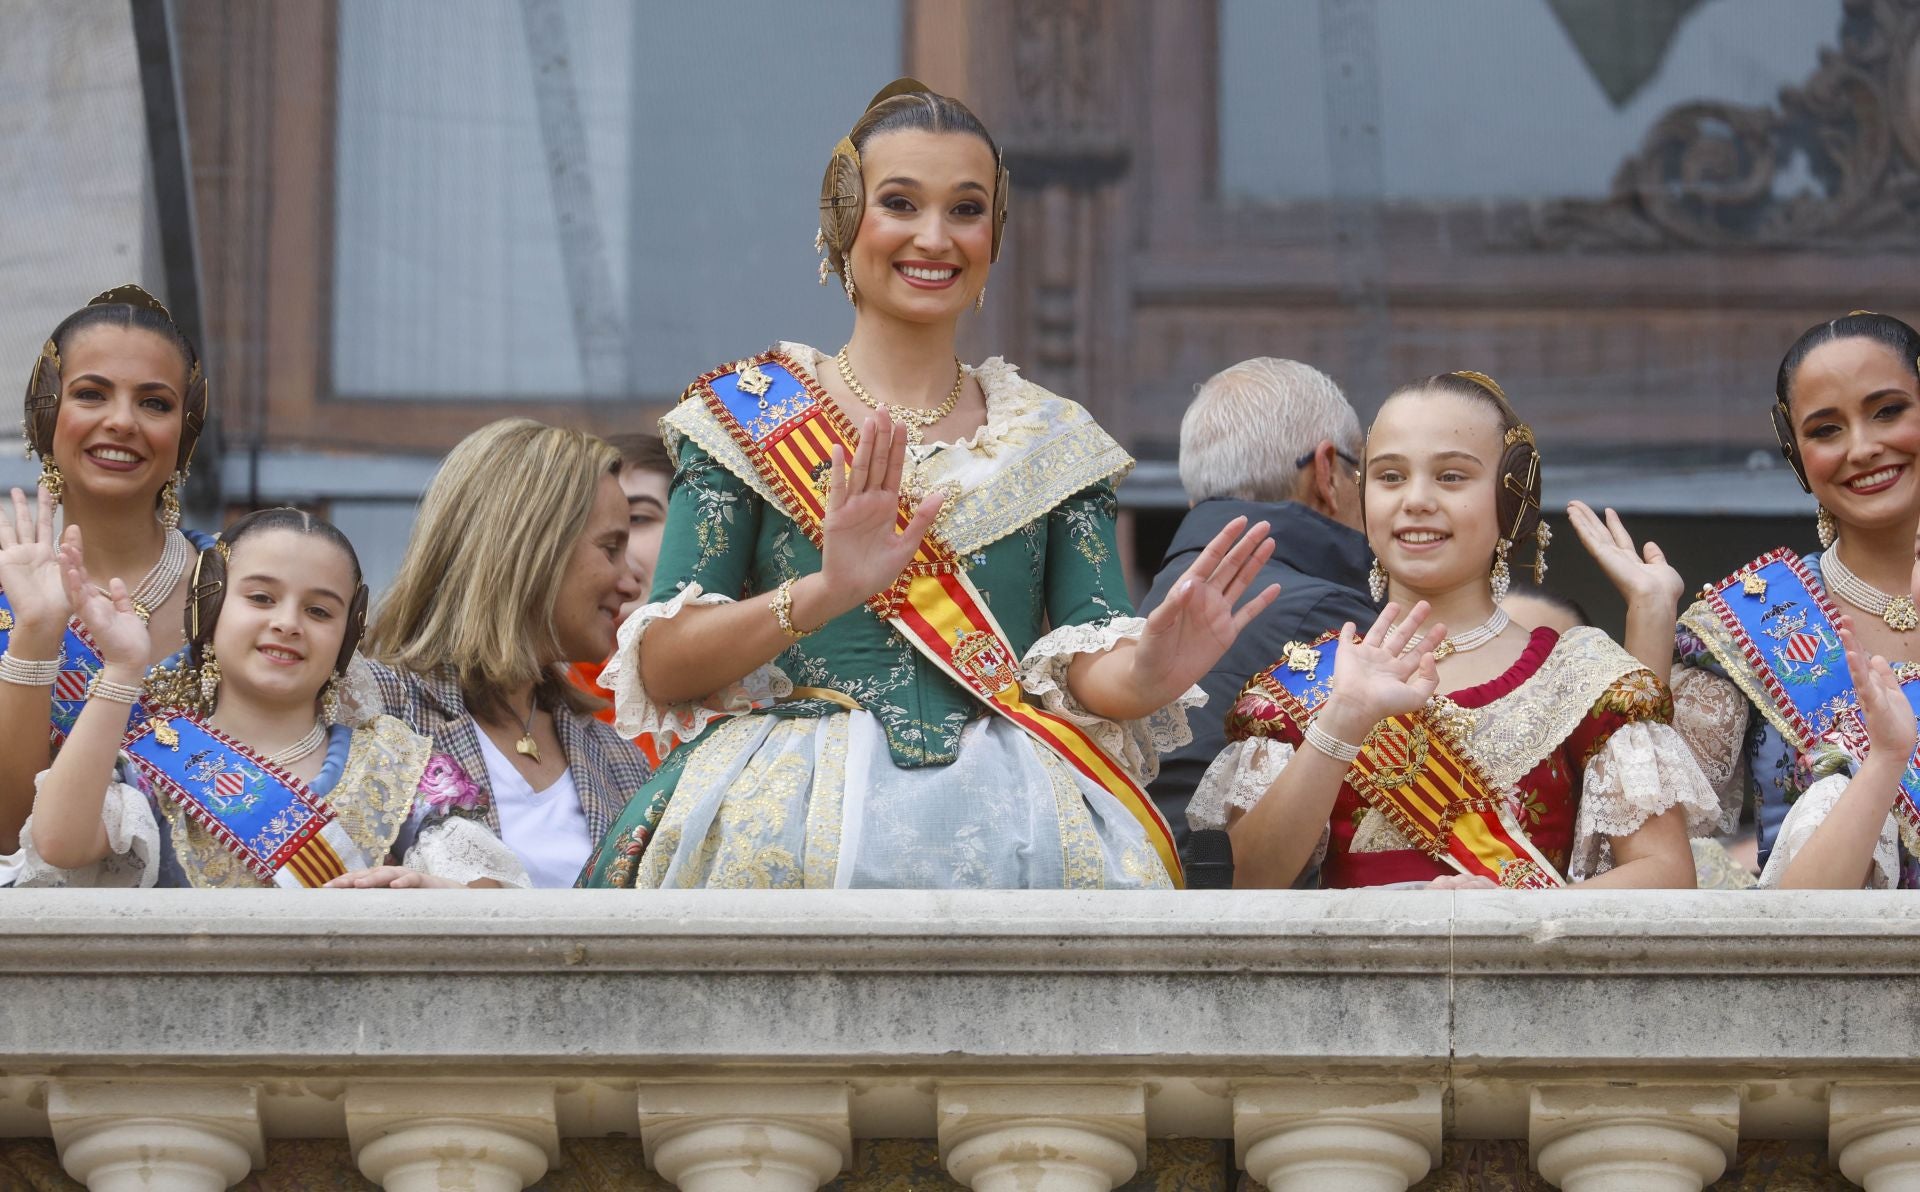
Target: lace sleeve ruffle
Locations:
point(1804, 818)
point(1644, 769)
point(463, 850)
point(1710, 714)
point(133, 842)
point(636, 713)
point(1135, 744)
point(1236, 780)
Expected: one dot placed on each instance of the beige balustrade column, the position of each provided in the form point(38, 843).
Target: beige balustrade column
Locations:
point(1042, 1137)
point(1362, 1137)
point(432, 1137)
point(1632, 1138)
point(1873, 1135)
point(746, 1137)
point(155, 1137)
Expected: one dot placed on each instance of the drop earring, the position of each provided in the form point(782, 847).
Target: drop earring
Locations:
point(209, 683)
point(846, 279)
point(1377, 582)
point(980, 300)
point(330, 701)
point(1823, 525)
point(1502, 575)
point(170, 503)
point(51, 479)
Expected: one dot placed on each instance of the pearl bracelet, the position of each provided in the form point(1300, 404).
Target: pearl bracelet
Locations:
point(29, 672)
point(1331, 745)
point(113, 693)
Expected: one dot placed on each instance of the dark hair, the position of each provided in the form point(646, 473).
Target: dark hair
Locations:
point(1903, 340)
point(127, 308)
point(903, 105)
point(1550, 598)
point(209, 591)
point(642, 453)
point(129, 317)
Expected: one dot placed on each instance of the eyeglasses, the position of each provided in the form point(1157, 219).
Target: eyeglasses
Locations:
point(1306, 459)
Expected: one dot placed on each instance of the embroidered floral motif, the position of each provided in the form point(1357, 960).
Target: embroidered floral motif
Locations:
point(1638, 695)
point(444, 786)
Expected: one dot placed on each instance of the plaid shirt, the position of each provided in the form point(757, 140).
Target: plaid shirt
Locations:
point(607, 769)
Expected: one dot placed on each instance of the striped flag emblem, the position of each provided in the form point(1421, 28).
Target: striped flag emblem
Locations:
point(1802, 647)
point(228, 785)
point(72, 685)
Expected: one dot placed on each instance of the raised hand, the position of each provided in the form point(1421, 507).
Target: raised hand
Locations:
point(1891, 730)
point(1643, 577)
point(107, 613)
point(30, 573)
point(1377, 676)
point(862, 552)
point(1193, 627)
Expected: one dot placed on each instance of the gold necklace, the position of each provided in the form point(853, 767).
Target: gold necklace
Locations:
point(526, 746)
point(916, 420)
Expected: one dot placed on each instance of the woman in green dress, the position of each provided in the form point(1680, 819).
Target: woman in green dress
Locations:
point(889, 616)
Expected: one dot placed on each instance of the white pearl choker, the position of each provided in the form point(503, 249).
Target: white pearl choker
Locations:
point(1472, 639)
point(1896, 610)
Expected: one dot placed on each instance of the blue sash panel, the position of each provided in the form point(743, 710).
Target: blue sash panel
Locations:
point(1781, 620)
point(265, 816)
point(1303, 677)
point(80, 661)
point(762, 395)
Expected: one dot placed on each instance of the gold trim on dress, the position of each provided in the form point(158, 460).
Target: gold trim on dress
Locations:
point(837, 698)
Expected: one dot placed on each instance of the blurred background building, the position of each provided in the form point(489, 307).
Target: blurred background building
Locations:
point(392, 221)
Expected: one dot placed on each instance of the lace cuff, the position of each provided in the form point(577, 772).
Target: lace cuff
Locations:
point(1236, 779)
point(1710, 714)
point(1135, 744)
point(1644, 769)
point(463, 850)
point(133, 842)
point(1804, 818)
point(635, 712)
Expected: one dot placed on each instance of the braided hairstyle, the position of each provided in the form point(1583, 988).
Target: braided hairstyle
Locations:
point(209, 590)
point(126, 306)
point(1903, 340)
point(901, 104)
point(1517, 499)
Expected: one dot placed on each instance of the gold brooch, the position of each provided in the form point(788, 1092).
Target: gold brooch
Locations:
point(1301, 658)
point(752, 380)
point(166, 734)
point(6, 621)
point(1752, 585)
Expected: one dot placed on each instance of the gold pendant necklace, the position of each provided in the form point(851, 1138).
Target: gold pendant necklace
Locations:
point(916, 420)
point(1896, 610)
point(526, 746)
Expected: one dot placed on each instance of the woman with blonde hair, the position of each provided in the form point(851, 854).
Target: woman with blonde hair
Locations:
point(515, 568)
point(115, 404)
point(917, 559)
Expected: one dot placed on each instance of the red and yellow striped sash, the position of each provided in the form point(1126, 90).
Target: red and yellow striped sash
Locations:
point(933, 603)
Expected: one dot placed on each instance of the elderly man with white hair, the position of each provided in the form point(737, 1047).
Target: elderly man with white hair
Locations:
point(1271, 440)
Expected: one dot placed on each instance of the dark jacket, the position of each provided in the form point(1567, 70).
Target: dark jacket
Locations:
point(1321, 567)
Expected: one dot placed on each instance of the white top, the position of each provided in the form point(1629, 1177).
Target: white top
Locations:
point(547, 829)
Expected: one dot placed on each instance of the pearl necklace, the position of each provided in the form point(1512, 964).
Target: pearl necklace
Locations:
point(298, 749)
point(1896, 610)
point(1472, 639)
point(915, 419)
point(158, 582)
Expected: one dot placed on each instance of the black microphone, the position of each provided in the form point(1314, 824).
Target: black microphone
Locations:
point(1209, 861)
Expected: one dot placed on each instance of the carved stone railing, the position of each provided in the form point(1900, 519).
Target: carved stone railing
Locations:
point(172, 1039)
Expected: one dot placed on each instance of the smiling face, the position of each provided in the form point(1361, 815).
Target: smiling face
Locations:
point(926, 237)
point(597, 581)
point(1855, 407)
point(283, 617)
point(117, 435)
point(1432, 473)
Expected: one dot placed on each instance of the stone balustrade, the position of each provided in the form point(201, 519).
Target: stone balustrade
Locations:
point(1043, 1042)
